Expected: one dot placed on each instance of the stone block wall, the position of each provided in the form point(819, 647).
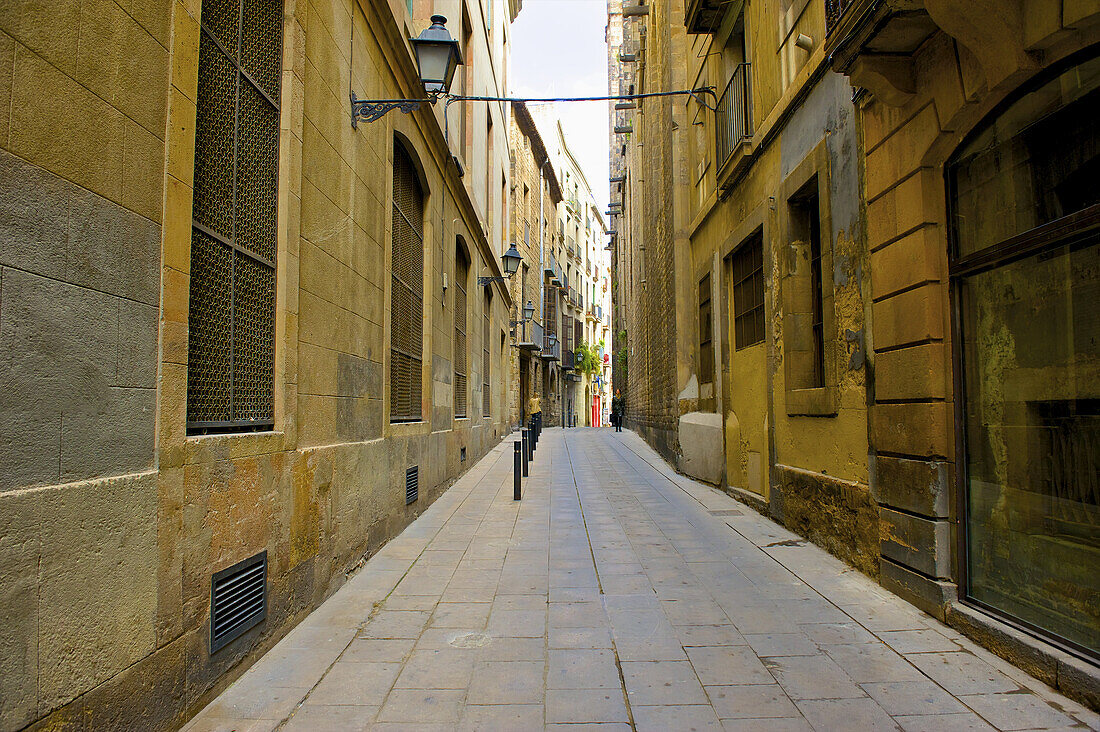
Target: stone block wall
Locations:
point(117, 518)
point(82, 148)
point(648, 294)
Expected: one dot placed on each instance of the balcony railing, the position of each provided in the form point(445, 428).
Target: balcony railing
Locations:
point(567, 359)
point(834, 9)
point(529, 335)
point(551, 352)
point(733, 118)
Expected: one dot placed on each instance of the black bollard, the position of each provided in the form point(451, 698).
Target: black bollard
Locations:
point(517, 467)
point(526, 449)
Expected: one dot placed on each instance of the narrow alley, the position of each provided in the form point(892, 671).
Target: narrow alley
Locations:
point(617, 593)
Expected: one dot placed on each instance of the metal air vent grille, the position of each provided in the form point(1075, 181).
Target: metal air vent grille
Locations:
point(238, 599)
point(412, 484)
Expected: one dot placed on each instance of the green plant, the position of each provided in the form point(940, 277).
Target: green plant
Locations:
point(586, 358)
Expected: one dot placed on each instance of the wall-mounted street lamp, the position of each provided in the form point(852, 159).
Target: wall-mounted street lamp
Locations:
point(511, 260)
point(437, 57)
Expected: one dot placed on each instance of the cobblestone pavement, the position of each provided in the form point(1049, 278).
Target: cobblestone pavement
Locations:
point(620, 595)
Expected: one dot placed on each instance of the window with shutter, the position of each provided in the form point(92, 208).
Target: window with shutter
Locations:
point(486, 394)
point(231, 313)
point(462, 269)
point(406, 291)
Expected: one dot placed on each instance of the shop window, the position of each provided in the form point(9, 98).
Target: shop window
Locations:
point(1025, 268)
point(231, 316)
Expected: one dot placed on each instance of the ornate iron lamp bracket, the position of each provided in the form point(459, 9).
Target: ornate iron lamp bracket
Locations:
point(370, 110)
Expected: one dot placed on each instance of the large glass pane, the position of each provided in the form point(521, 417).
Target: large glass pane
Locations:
point(1037, 162)
point(1031, 348)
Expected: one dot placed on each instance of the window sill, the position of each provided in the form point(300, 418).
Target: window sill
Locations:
point(815, 402)
point(230, 445)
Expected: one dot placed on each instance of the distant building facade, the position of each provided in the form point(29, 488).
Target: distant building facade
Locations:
point(535, 195)
point(582, 257)
point(858, 290)
point(242, 343)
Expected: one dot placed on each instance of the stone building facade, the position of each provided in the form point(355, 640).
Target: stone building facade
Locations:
point(832, 274)
point(242, 342)
point(578, 256)
point(535, 195)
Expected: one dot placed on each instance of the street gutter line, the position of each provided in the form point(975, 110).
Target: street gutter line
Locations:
point(599, 585)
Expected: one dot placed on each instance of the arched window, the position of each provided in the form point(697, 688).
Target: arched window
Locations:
point(462, 272)
point(231, 313)
point(1025, 267)
point(407, 290)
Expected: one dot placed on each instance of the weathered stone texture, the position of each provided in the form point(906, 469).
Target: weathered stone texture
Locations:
point(920, 543)
point(919, 486)
point(72, 617)
point(835, 514)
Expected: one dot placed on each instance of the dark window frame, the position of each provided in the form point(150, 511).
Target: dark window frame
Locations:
point(1047, 238)
point(706, 332)
point(747, 280)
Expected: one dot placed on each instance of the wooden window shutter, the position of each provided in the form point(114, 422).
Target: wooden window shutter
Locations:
point(407, 291)
point(462, 269)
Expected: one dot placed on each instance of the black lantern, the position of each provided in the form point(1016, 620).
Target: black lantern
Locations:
point(552, 340)
point(528, 311)
point(511, 260)
point(437, 56)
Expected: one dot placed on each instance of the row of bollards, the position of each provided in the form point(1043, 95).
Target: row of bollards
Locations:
point(524, 452)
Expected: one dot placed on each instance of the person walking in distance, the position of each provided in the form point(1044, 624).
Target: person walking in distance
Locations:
point(534, 407)
point(618, 408)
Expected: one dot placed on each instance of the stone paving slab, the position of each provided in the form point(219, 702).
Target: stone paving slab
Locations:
point(618, 595)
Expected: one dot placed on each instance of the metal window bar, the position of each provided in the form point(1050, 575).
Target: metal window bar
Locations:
point(733, 116)
point(748, 293)
point(834, 10)
point(706, 353)
point(231, 309)
point(818, 310)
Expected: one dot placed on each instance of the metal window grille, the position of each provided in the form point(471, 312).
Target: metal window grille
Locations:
point(706, 352)
point(748, 292)
point(231, 313)
point(486, 394)
point(818, 310)
point(462, 269)
point(412, 484)
point(238, 600)
point(406, 291)
point(834, 9)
